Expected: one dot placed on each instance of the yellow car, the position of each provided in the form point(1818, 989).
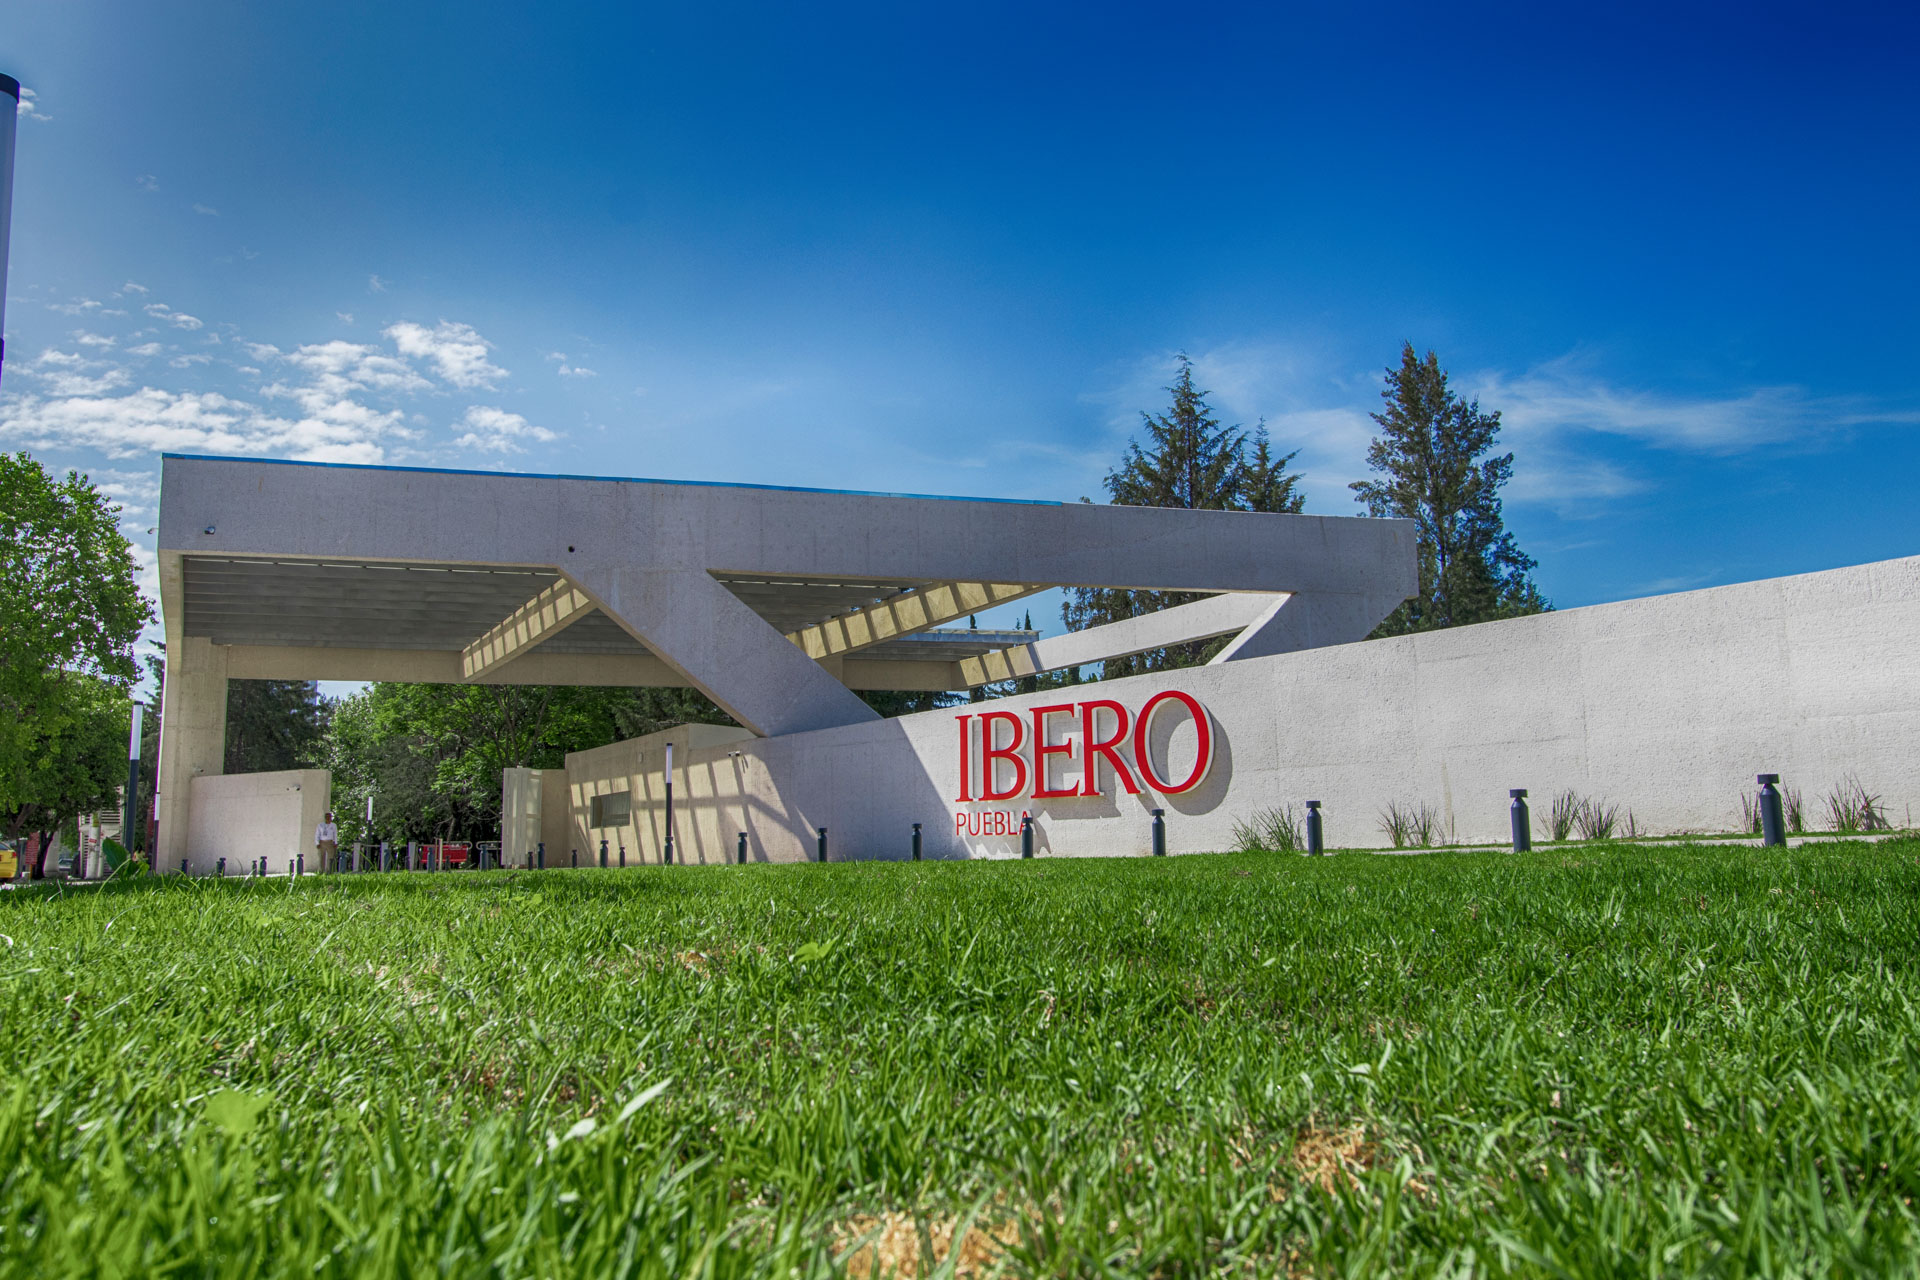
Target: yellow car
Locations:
point(9, 861)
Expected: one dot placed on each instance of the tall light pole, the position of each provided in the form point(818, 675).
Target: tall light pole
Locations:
point(669, 855)
point(130, 805)
point(10, 108)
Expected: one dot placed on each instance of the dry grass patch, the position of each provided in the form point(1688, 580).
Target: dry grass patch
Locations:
point(898, 1244)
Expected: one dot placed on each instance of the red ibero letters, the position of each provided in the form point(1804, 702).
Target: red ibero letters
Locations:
point(1019, 755)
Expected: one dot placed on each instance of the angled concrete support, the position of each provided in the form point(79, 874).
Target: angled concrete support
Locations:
point(1309, 620)
point(193, 735)
point(904, 614)
point(547, 614)
point(722, 647)
point(1201, 620)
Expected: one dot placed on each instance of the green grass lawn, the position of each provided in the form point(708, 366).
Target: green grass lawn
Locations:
point(1593, 1061)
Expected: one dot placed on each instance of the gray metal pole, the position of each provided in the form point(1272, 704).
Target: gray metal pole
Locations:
point(1315, 844)
point(1159, 833)
point(1773, 823)
point(916, 842)
point(743, 848)
point(1522, 821)
point(823, 843)
point(1026, 835)
point(10, 109)
point(669, 854)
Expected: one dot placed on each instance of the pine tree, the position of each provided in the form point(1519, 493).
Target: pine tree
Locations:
point(1192, 462)
point(1433, 468)
point(273, 725)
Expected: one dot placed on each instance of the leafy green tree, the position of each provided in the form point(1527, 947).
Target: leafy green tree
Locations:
point(1193, 462)
point(76, 759)
point(273, 725)
point(1433, 465)
point(69, 602)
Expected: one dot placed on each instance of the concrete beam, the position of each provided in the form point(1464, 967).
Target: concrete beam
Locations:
point(724, 648)
point(547, 614)
point(1309, 620)
point(1201, 620)
point(600, 670)
point(904, 614)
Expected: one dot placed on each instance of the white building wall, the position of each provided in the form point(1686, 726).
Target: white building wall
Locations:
point(1668, 706)
point(245, 816)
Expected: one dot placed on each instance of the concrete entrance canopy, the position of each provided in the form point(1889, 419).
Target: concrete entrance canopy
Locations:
point(776, 603)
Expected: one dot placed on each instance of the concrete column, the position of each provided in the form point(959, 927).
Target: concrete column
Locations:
point(520, 805)
point(193, 734)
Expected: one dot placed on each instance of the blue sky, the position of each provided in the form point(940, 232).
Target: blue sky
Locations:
point(954, 249)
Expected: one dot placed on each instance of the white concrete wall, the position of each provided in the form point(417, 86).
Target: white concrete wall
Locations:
point(244, 816)
point(1668, 706)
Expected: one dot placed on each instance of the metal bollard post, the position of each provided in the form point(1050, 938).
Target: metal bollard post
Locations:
point(1773, 823)
point(358, 849)
point(300, 863)
point(541, 853)
point(575, 856)
point(1159, 833)
point(916, 842)
point(742, 855)
point(220, 868)
point(183, 866)
point(603, 853)
point(623, 853)
point(1026, 835)
point(386, 857)
point(823, 843)
point(1522, 821)
point(1315, 844)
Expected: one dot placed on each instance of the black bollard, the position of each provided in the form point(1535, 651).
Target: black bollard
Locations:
point(603, 853)
point(1026, 835)
point(1159, 833)
point(1522, 821)
point(300, 863)
point(183, 866)
point(623, 853)
point(742, 855)
point(1315, 845)
point(916, 842)
point(823, 843)
point(1773, 823)
point(220, 868)
point(541, 852)
point(576, 859)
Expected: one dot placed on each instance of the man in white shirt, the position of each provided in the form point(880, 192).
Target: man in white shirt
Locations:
point(326, 841)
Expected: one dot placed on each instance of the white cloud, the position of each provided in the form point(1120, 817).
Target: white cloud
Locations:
point(131, 287)
point(29, 106)
point(147, 182)
point(206, 209)
point(376, 285)
point(188, 361)
point(178, 319)
point(152, 420)
point(456, 351)
point(496, 431)
point(569, 370)
point(87, 339)
point(345, 317)
point(145, 349)
point(78, 307)
point(338, 369)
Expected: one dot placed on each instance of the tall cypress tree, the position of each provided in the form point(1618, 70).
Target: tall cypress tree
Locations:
point(1190, 461)
point(1431, 458)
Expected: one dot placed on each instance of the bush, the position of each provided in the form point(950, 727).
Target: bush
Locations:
point(1850, 808)
point(1271, 831)
point(1563, 814)
point(1411, 827)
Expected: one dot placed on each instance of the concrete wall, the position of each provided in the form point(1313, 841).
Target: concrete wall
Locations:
point(243, 816)
point(637, 768)
point(1668, 706)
